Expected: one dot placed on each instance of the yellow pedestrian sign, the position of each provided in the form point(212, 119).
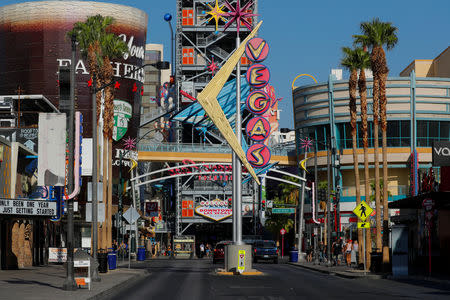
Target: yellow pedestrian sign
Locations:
point(364, 225)
point(363, 210)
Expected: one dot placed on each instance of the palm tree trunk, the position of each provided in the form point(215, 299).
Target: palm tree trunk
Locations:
point(365, 134)
point(105, 193)
point(110, 192)
point(353, 123)
point(377, 157)
point(383, 101)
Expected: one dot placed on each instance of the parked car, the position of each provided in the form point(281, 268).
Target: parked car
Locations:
point(265, 250)
point(219, 251)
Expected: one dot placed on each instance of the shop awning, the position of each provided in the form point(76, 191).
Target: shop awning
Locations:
point(441, 199)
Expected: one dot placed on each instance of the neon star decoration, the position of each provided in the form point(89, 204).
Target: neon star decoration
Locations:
point(213, 67)
point(306, 144)
point(238, 15)
point(129, 143)
point(216, 14)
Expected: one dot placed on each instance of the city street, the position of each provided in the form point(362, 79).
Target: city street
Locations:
point(195, 279)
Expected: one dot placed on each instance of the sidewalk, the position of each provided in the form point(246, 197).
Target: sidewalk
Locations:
point(341, 271)
point(46, 282)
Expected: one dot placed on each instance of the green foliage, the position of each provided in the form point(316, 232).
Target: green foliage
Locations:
point(377, 33)
point(355, 58)
point(289, 192)
point(95, 31)
point(276, 222)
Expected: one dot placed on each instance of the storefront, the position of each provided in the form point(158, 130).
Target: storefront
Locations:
point(428, 229)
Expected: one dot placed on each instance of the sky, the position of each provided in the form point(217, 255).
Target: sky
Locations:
point(307, 36)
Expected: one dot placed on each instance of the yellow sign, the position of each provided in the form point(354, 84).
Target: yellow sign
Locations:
point(241, 264)
point(363, 210)
point(208, 100)
point(364, 225)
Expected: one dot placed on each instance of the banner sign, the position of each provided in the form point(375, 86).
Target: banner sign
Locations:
point(151, 208)
point(258, 102)
point(27, 207)
point(441, 154)
point(213, 211)
point(57, 255)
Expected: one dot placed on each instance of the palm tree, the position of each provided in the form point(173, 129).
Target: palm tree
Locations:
point(376, 34)
point(364, 63)
point(351, 62)
point(98, 46)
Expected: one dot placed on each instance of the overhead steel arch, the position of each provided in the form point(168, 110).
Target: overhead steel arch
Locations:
point(137, 182)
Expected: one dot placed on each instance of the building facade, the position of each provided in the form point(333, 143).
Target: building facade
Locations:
point(33, 47)
point(418, 113)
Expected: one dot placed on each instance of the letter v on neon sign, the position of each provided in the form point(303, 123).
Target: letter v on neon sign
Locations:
point(208, 100)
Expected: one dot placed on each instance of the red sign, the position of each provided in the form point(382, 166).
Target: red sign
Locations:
point(258, 155)
point(258, 129)
point(283, 231)
point(257, 49)
point(258, 76)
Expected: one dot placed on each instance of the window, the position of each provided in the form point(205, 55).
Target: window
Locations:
point(188, 17)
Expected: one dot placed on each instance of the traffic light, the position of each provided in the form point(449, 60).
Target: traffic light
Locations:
point(263, 205)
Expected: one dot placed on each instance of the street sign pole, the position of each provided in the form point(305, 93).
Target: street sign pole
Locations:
point(364, 249)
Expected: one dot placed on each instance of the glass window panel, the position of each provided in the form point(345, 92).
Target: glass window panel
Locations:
point(422, 129)
point(405, 142)
point(405, 128)
point(445, 130)
point(433, 129)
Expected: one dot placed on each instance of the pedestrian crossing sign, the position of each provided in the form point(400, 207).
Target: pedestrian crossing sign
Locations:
point(241, 264)
point(364, 225)
point(363, 210)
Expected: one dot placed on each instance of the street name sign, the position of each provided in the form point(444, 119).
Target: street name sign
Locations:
point(363, 210)
point(283, 210)
point(26, 207)
point(364, 225)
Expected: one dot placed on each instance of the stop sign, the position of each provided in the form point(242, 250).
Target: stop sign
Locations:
point(282, 231)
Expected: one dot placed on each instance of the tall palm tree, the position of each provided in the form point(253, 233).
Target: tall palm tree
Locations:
point(376, 34)
point(98, 45)
point(364, 63)
point(350, 61)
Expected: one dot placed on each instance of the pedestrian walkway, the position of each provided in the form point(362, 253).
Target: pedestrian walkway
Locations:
point(46, 282)
point(342, 271)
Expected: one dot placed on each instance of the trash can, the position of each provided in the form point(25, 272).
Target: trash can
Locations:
point(376, 259)
point(112, 260)
point(141, 254)
point(293, 256)
point(102, 258)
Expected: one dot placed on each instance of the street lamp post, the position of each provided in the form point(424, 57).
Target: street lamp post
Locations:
point(168, 18)
point(159, 65)
point(69, 284)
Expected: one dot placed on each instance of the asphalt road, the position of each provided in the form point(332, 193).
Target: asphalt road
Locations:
point(195, 279)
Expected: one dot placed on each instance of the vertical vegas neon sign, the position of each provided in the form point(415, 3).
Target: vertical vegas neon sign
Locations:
point(258, 103)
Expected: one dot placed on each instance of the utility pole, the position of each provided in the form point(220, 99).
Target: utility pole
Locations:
point(69, 284)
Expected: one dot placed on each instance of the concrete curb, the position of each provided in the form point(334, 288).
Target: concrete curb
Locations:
point(339, 273)
point(135, 279)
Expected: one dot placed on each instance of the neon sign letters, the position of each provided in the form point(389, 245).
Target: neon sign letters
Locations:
point(258, 103)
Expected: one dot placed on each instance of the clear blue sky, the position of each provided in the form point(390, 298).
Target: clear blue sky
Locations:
point(307, 36)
